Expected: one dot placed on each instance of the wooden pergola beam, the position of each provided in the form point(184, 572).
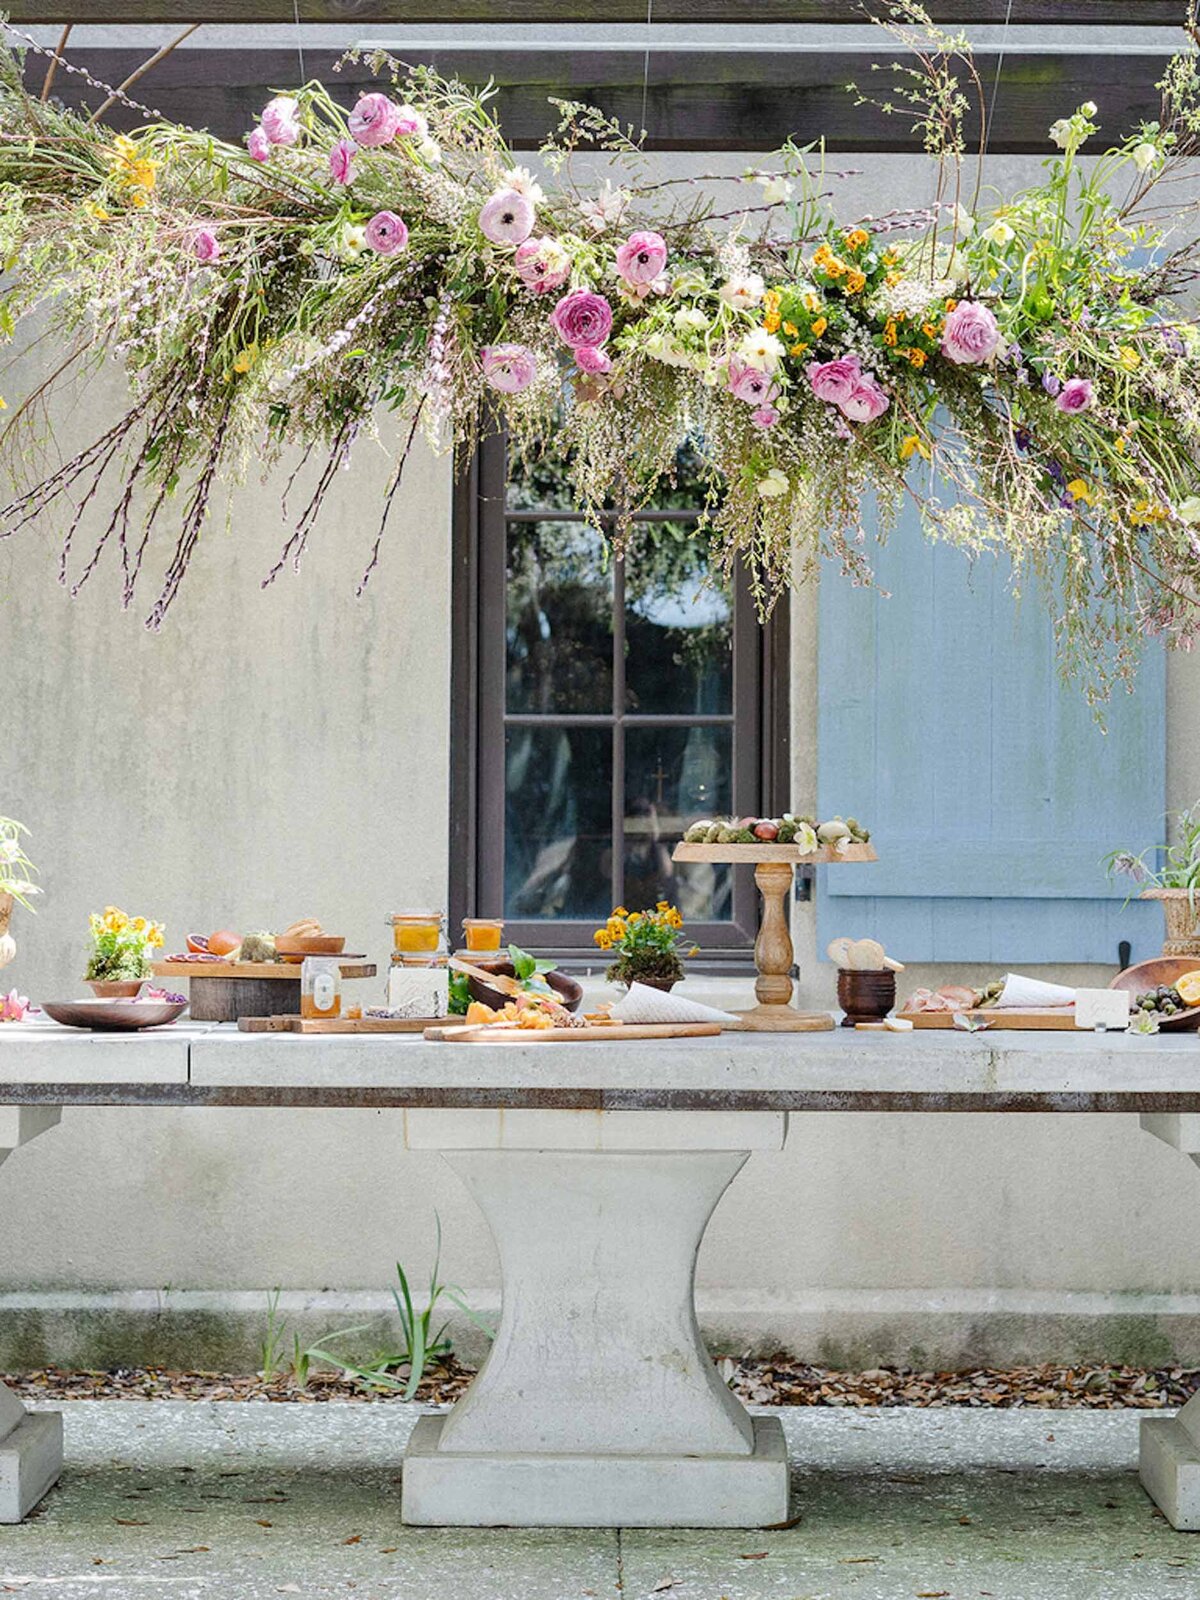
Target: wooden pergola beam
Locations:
point(747, 99)
point(356, 13)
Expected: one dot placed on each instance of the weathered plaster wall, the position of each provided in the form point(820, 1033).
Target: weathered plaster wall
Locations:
point(285, 752)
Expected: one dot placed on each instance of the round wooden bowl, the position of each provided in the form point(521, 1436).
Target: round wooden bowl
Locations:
point(114, 1016)
point(566, 990)
point(313, 944)
point(1161, 970)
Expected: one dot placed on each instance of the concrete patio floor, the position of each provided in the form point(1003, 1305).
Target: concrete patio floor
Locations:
point(242, 1501)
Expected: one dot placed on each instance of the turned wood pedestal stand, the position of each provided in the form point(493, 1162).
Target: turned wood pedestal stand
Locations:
point(774, 869)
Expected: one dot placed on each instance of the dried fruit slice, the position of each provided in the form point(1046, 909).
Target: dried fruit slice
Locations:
point(1188, 988)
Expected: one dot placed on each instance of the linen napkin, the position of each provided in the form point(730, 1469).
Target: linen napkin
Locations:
point(643, 1004)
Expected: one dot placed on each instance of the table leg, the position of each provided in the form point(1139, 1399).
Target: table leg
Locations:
point(31, 1455)
point(598, 1405)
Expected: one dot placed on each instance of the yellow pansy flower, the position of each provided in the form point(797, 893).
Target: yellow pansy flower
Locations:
point(1081, 489)
point(819, 326)
point(1128, 357)
point(857, 238)
point(96, 211)
point(246, 358)
point(771, 322)
point(912, 445)
point(917, 356)
point(856, 281)
point(797, 349)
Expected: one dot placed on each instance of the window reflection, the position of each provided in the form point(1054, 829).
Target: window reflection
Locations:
point(558, 822)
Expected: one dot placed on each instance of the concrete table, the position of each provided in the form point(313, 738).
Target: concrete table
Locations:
point(597, 1167)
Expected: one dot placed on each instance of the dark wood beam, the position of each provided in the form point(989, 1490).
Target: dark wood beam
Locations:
point(696, 99)
point(1111, 13)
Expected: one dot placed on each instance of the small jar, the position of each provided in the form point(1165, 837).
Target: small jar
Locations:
point(321, 987)
point(482, 934)
point(417, 932)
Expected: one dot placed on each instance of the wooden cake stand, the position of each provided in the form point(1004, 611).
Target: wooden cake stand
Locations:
point(774, 869)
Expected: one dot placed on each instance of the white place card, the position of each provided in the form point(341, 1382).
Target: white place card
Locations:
point(1102, 1008)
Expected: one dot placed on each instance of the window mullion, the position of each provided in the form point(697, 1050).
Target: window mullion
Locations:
point(618, 753)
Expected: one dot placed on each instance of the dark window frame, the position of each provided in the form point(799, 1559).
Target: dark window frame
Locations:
point(761, 713)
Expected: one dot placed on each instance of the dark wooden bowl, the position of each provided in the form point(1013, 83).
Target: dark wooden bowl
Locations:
point(1161, 970)
point(566, 990)
point(865, 996)
point(114, 1016)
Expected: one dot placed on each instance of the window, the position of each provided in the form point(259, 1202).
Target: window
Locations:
point(600, 705)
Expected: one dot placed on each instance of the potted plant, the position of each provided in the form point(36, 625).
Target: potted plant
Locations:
point(1176, 882)
point(16, 882)
point(646, 944)
point(119, 962)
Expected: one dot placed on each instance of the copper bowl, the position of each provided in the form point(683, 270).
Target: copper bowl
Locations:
point(566, 990)
point(865, 996)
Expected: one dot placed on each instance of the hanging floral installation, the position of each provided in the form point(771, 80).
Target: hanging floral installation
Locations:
point(1024, 373)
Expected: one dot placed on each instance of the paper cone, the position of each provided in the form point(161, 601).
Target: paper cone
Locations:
point(1031, 993)
point(643, 1004)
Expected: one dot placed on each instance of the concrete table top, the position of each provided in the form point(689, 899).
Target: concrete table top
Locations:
point(840, 1071)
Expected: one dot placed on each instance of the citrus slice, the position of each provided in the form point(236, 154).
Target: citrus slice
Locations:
point(1189, 988)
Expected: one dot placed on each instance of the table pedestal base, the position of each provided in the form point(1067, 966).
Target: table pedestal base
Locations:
point(779, 1019)
point(31, 1453)
point(598, 1405)
point(592, 1491)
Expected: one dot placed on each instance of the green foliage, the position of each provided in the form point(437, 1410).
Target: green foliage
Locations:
point(1178, 864)
point(17, 872)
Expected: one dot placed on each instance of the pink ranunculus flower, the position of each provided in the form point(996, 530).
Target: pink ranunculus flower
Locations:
point(867, 402)
point(280, 120)
point(582, 318)
point(642, 257)
point(507, 218)
point(835, 381)
point(542, 265)
point(1075, 395)
point(387, 234)
point(205, 246)
point(750, 384)
point(765, 417)
point(341, 161)
point(970, 335)
point(508, 367)
point(14, 1007)
point(593, 360)
point(375, 120)
point(258, 145)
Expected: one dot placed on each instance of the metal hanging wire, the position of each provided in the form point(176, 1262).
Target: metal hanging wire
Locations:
point(645, 60)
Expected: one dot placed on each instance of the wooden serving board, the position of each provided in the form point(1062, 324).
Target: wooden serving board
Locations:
point(750, 854)
point(352, 967)
point(336, 1024)
point(998, 1017)
point(488, 1033)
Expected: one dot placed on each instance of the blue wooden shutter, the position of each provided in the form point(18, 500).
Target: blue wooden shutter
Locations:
point(990, 791)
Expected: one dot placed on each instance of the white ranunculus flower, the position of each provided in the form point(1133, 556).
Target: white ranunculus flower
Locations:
point(775, 483)
point(743, 291)
point(775, 188)
point(9, 849)
point(431, 151)
point(964, 222)
point(1189, 510)
point(762, 350)
point(691, 319)
point(1146, 157)
point(999, 233)
point(806, 838)
point(1060, 133)
point(1089, 108)
point(354, 241)
point(524, 182)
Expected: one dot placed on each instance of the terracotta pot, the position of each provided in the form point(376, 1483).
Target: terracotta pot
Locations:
point(865, 996)
point(114, 988)
point(1183, 920)
point(663, 985)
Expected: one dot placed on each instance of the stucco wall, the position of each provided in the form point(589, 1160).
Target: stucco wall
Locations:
point(285, 752)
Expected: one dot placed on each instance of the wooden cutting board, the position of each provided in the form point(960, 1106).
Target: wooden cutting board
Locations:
point(352, 967)
point(998, 1017)
point(487, 1033)
point(336, 1024)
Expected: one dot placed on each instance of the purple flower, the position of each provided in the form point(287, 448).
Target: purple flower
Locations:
point(1051, 384)
point(1022, 438)
point(507, 218)
point(834, 381)
point(542, 265)
point(1170, 337)
point(642, 257)
point(508, 367)
point(582, 318)
point(1128, 864)
point(970, 334)
point(750, 384)
point(593, 360)
point(1077, 395)
point(205, 247)
point(386, 233)
point(258, 145)
point(341, 161)
point(279, 120)
point(375, 120)
point(867, 402)
point(765, 417)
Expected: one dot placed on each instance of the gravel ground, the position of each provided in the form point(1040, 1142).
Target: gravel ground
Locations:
point(775, 1382)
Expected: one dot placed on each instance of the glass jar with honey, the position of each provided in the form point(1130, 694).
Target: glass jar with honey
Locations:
point(482, 933)
point(417, 932)
point(321, 987)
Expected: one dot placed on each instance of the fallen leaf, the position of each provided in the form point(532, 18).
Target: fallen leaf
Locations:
point(131, 1522)
point(288, 1588)
point(262, 1523)
point(355, 1538)
point(857, 1561)
point(932, 1594)
point(755, 1555)
point(194, 1550)
point(664, 1583)
point(390, 1550)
